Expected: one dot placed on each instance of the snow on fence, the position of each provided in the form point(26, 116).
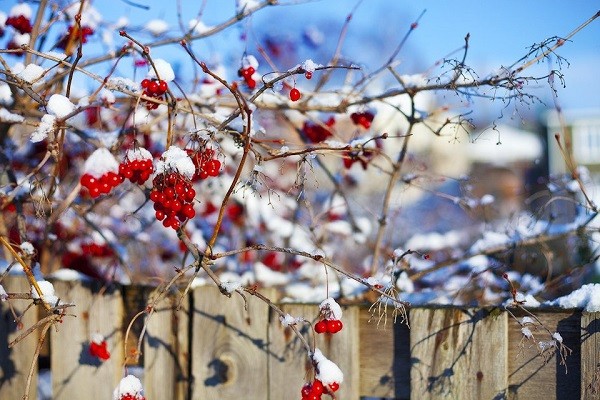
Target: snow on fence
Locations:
point(214, 348)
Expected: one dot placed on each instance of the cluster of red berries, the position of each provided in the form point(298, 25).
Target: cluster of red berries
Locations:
point(329, 326)
point(363, 119)
point(137, 171)
point(247, 73)
point(173, 197)
point(99, 350)
point(316, 133)
point(295, 94)
point(79, 35)
point(205, 163)
point(21, 23)
point(314, 391)
point(96, 250)
point(154, 88)
point(101, 185)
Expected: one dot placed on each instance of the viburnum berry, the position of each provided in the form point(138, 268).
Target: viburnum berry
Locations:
point(77, 34)
point(98, 348)
point(20, 23)
point(334, 325)
point(172, 195)
point(312, 391)
point(137, 165)
point(295, 94)
point(206, 165)
point(317, 133)
point(308, 75)
point(154, 88)
point(321, 326)
point(334, 386)
point(363, 119)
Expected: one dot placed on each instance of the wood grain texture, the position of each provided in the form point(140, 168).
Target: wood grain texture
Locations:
point(289, 366)
point(166, 350)
point(75, 373)
point(384, 358)
point(229, 345)
point(16, 362)
point(590, 355)
point(457, 354)
point(530, 377)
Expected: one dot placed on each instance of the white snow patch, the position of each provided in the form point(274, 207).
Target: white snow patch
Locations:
point(164, 69)
point(44, 128)
point(27, 248)
point(330, 309)
point(198, 27)
point(21, 39)
point(245, 5)
point(310, 66)
point(60, 106)
point(176, 159)
point(526, 300)
point(121, 83)
point(31, 73)
point(156, 27)
point(67, 274)
point(287, 320)
point(20, 9)
point(3, 294)
point(138, 153)
point(557, 337)
point(100, 162)
point(6, 98)
point(269, 277)
point(129, 385)
point(97, 338)
point(586, 297)
point(490, 240)
point(48, 294)
point(7, 116)
point(327, 371)
point(231, 287)
point(527, 333)
point(404, 283)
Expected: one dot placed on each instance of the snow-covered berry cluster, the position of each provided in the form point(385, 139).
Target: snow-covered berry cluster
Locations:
point(101, 173)
point(137, 165)
point(98, 347)
point(312, 391)
point(205, 162)
point(363, 119)
point(331, 312)
point(20, 22)
point(130, 388)
point(173, 197)
point(155, 88)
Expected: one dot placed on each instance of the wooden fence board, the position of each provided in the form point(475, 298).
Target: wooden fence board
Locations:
point(230, 349)
point(384, 357)
point(16, 362)
point(458, 353)
point(75, 373)
point(532, 378)
point(590, 355)
point(165, 353)
point(288, 361)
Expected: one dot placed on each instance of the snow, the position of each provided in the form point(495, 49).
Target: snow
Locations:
point(176, 159)
point(156, 27)
point(269, 277)
point(245, 5)
point(121, 83)
point(6, 98)
point(59, 106)
point(490, 240)
point(97, 338)
point(164, 69)
point(46, 126)
point(287, 320)
point(3, 294)
point(31, 73)
point(100, 162)
point(310, 66)
point(404, 283)
point(198, 27)
point(130, 385)
point(66, 274)
point(486, 199)
point(327, 371)
point(330, 309)
point(27, 248)
point(526, 332)
point(107, 96)
point(48, 295)
point(138, 153)
point(526, 300)
point(231, 287)
point(7, 116)
point(249, 61)
point(90, 17)
point(557, 337)
point(20, 9)
point(586, 297)
point(527, 320)
point(3, 17)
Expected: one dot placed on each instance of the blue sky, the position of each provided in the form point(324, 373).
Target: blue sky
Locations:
point(500, 32)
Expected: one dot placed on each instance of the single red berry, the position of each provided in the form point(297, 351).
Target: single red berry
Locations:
point(87, 180)
point(334, 386)
point(294, 94)
point(308, 75)
point(162, 87)
point(145, 83)
point(306, 390)
point(334, 326)
point(160, 215)
point(321, 326)
point(251, 83)
point(188, 211)
point(317, 387)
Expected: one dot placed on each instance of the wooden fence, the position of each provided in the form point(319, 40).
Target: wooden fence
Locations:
point(214, 349)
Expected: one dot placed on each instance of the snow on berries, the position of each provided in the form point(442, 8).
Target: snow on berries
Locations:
point(331, 312)
point(172, 192)
point(205, 163)
point(101, 173)
point(327, 372)
point(248, 71)
point(137, 165)
point(98, 347)
point(154, 88)
point(60, 106)
point(129, 388)
point(20, 18)
point(312, 391)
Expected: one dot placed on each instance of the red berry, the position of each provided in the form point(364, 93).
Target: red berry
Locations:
point(308, 75)
point(87, 180)
point(334, 326)
point(188, 211)
point(189, 195)
point(145, 83)
point(160, 215)
point(321, 327)
point(251, 83)
point(94, 191)
point(99, 350)
point(294, 94)
point(317, 387)
point(334, 386)
point(306, 390)
point(162, 87)
point(153, 87)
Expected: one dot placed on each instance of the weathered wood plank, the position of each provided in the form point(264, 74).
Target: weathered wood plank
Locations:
point(458, 354)
point(75, 373)
point(229, 345)
point(165, 351)
point(16, 362)
point(289, 367)
point(530, 377)
point(384, 358)
point(590, 355)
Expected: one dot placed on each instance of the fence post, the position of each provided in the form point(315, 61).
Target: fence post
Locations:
point(75, 373)
point(458, 353)
point(229, 346)
point(590, 355)
point(16, 362)
point(166, 349)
